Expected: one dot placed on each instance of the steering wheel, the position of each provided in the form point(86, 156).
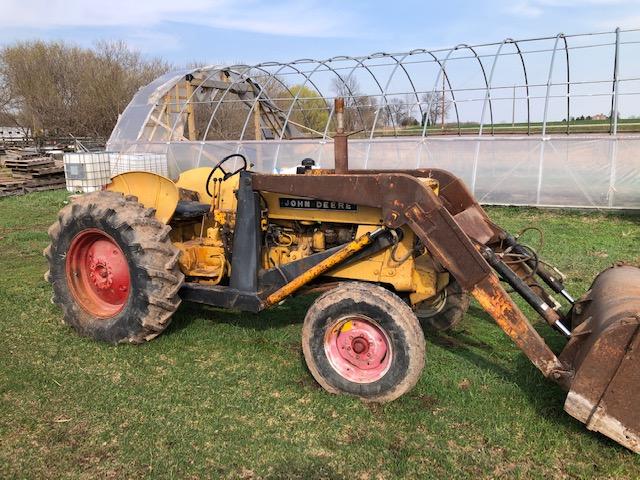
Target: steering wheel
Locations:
point(225, 174)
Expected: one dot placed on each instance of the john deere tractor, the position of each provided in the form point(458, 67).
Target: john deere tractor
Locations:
point(386, 249)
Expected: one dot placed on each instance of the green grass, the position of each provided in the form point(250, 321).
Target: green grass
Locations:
point(227, 395)
point(576, 127)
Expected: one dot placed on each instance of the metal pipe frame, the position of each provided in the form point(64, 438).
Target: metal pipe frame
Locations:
point(272, 73)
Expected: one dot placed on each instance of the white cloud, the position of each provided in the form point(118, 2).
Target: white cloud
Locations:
point(309, 18)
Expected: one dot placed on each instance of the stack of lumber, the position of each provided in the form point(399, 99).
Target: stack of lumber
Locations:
point(31, 173)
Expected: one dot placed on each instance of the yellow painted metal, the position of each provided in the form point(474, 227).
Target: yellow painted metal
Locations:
point(424, 278)
point(290, 247)
point(430, 183)
point(195, 180)
point(199, 260)
point(204, 257)
point(380, 267)
point(318, 241)
point(393, 266)
point(347, 326)
point(152, 190)
point(317, 270)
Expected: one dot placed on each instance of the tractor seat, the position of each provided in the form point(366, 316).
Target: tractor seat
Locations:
point(186, 210)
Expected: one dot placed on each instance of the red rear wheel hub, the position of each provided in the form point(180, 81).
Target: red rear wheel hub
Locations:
point(358, 349)
point(98, 273)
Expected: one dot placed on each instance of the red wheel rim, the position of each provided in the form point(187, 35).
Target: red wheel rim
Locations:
point(98, 273)
point(358, 349)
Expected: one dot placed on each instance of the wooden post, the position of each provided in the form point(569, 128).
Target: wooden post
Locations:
point(191, 118)
point(256, 120)
point(167, 116)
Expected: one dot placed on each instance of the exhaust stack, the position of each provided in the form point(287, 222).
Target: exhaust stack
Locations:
point(341, 152)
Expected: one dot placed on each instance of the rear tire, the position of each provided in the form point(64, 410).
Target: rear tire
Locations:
point(447, 310)
point(363, 340)
point(113, 268)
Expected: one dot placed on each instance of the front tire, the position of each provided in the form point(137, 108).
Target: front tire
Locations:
point(113, 268)
point(447, 310)
point(363, 340)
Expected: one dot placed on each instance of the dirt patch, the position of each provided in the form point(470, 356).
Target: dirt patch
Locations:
point(464, 384)
point(428, 402)
point(308, 383)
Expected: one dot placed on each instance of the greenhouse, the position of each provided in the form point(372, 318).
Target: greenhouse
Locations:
point(528, 122)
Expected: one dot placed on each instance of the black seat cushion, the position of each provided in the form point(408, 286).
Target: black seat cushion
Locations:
point(187, 210)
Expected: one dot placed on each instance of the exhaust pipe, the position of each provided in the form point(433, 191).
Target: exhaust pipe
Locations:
point(340, 147)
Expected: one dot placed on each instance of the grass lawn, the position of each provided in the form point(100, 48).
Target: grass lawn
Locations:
point(227, 395)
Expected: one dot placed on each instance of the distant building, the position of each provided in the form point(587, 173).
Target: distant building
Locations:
point(13, 134)
point(599, 116)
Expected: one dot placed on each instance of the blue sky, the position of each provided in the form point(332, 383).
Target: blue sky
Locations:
point(254, 31)
point(230, 31)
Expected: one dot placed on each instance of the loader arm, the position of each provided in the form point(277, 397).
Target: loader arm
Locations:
point(405, 200)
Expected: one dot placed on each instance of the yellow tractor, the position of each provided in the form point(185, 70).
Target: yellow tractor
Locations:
point(387, 249)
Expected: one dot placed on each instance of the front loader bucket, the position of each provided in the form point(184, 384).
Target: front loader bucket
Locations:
point(604, 352)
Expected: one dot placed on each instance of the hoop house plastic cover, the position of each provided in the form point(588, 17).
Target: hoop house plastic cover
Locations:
point(276, 114)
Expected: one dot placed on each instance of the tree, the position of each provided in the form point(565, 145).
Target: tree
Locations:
point(310, 110)
point(8, 115)
point(399, 111)
point(394, 111)
point(59, 88)
point(359, 109)
point(435, 107)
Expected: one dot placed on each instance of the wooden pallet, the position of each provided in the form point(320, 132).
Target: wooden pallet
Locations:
point(31, 172)
point(43, 181)
point(44, 171)
point(10, 181)
point(11, 186)
point(40, 172)
point(29, 164)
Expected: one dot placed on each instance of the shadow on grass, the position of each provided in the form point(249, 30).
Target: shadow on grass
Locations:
point(291, 312)
point(303, 469)
point(544, 395)
point(463, 345)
